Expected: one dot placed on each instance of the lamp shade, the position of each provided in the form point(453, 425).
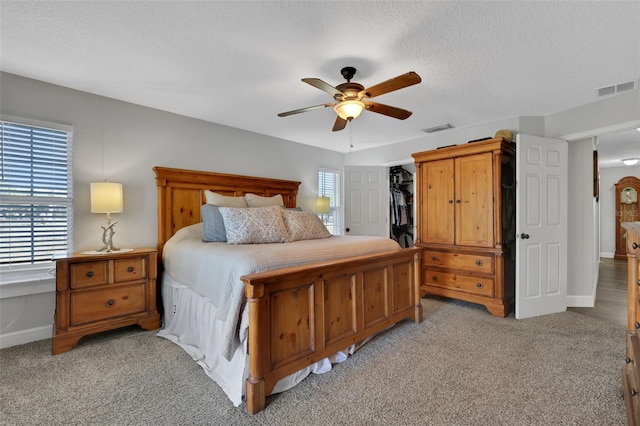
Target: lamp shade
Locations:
point(106, 197)
point(323, 205)
point(349, 109)
point(630, 161)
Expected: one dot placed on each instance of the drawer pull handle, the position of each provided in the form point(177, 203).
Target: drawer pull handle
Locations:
point(111, 302)
point(90, 274)
point(479, 285)
point(435, 258)
point(479, 262)
point(130, 269)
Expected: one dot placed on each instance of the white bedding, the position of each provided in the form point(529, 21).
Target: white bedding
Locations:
point(213, 270)
point(203, 296)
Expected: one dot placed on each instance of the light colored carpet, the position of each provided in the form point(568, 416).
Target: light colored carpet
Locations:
point(461, 366)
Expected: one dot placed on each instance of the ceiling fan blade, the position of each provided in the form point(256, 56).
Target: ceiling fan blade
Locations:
point(298, 111)
point(317, 83)
point(391, 111)
point(399, 82)
point(340, 124)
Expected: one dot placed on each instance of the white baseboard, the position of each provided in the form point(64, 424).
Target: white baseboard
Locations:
point(581, 301)
point(25, 336)
point(607, 255)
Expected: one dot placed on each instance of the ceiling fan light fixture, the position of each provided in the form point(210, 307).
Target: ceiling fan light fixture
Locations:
point(630, 161)
point(348, 110)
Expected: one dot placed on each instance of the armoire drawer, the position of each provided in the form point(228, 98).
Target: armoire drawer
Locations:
point(470, 284)
point(479, 263)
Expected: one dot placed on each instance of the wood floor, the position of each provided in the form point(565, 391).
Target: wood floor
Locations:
point(611, 295)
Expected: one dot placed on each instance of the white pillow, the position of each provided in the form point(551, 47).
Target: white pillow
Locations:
point(224, 200)
point(259, 225)
point(254, 200)
point(304, 226)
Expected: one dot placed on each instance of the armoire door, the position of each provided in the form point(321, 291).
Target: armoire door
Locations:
point(474, 200)
point(437, 221)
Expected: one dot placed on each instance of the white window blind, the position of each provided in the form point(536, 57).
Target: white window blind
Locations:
point(35, 193)
point(329, 186)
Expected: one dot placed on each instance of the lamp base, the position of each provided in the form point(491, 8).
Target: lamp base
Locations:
point(107, 237)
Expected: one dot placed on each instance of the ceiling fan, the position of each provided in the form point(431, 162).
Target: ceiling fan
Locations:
point(352, 98)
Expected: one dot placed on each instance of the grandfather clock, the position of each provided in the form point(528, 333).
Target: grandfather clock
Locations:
point(627, 210)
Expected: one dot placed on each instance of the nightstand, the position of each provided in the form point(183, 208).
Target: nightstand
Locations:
point(100, 292)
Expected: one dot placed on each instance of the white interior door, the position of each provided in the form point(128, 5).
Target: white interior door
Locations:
point(541, 229)
point(366, 206)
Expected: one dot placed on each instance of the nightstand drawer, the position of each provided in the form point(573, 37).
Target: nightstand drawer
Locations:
point(482, 264)
point(469, 284)
point(88, 306)
point(89, 274)
point(130, 269)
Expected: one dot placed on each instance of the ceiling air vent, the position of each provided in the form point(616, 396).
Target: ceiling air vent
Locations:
point(617, 88)
point(438, 128)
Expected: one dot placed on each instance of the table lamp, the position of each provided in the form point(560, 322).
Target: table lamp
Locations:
point(106, 197)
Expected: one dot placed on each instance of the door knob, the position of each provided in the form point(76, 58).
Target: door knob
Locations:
point(524, 236)
point(347, 229)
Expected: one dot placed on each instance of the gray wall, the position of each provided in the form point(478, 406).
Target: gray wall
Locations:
point(121, 142)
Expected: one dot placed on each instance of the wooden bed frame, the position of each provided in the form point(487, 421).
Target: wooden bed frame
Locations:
point(298, 315)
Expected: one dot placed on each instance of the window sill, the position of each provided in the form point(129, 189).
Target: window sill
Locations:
point(17, 283)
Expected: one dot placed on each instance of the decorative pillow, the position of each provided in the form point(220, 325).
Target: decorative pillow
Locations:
point(224, 200)
point(213, 224)
point(257, 225)
point(254, 200)
point(304, 226)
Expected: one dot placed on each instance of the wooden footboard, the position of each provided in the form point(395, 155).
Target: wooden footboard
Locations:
point(300, 315)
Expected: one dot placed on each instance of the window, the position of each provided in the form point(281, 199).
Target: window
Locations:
point(329, 186)
point(36, 210)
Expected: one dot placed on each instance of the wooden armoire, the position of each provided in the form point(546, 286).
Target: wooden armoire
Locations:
point(465, 197)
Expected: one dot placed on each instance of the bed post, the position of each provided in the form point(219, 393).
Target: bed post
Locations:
point(417, 282)
point(255, 392)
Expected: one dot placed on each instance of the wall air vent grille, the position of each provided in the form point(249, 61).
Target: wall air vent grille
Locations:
point(438, 128)
point(617, 88)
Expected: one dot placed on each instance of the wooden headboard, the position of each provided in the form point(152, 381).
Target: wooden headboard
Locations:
point(181, 193)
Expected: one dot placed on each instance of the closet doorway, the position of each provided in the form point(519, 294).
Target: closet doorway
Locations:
point(402, 226)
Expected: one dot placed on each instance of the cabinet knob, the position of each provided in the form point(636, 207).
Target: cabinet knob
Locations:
point(130, 269)
point(111, 302)
point(90, 274)
point(457, 201)
point(450, 201)
point(479, 285)
point(478, 262)
point(435, 258)
point(633, 392)
point(634, 246)
point(637, 325)
point(434, 278)
point(627, 360)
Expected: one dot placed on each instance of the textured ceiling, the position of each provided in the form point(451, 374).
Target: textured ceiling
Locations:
point(240, 63)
